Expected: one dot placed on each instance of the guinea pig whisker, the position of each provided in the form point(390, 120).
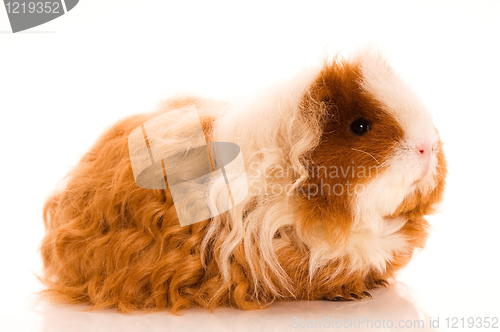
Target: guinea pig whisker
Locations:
point(401, 146)
point(435, 185)
point(367, 154)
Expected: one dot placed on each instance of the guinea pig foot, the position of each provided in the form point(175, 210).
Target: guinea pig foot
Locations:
point(350, 297)
point(381, 283)
point(336, 298)
point(355, 296)
point(361, 296)
point(367, 295)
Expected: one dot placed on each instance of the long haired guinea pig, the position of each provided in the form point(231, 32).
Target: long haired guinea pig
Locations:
point(342, 164)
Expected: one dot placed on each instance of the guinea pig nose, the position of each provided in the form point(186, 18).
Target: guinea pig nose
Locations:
point(423, 150)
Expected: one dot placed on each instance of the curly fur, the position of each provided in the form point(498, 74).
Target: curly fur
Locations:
point(113, 244)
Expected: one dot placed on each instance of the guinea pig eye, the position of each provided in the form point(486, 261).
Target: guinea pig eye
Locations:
point(360, 126)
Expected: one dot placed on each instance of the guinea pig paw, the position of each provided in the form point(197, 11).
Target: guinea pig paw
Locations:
point(361, 296)
point(350, 297)
point(366, 295)
point(335, 298)
point(381, 283)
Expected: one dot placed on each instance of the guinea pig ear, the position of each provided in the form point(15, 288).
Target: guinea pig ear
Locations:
point(326, 102)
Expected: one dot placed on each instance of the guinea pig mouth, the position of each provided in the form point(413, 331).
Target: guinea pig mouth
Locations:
point(414, 183)
point(421, 177)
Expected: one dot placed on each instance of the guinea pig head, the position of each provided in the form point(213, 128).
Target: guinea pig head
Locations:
point(378, 169)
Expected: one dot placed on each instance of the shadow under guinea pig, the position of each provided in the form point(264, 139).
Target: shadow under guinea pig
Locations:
point(391, 309)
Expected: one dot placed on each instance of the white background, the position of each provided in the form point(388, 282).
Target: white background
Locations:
point(64, 82)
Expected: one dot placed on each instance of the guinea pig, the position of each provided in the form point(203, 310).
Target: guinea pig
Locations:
point(342, 164)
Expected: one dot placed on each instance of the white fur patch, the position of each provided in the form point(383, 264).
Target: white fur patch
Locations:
point(375, 238)
point(383, 84)
point(272, 133)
